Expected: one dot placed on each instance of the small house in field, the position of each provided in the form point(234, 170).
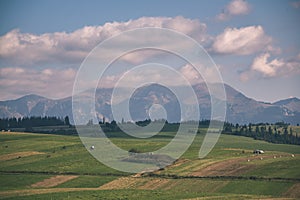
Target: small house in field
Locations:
point(258, 151)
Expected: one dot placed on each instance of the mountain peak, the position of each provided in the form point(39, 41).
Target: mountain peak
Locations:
point(31, 97)
point(286, 101)
point(240, 109)
point(293, 104)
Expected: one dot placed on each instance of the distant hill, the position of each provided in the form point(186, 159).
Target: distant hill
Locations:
point(240, 109)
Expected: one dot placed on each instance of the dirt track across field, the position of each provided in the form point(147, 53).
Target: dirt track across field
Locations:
point(53, 181)
point(18, 155)
point(232, 167)
point(294, 191)
point(225, 168)
point(120, 183)
point(154, 184)
point(137, 183)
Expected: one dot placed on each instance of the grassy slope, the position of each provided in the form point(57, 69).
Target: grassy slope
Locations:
point(62, 154)
point(65, 154)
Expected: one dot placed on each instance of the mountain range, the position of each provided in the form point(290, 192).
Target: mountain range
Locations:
point(240, 109)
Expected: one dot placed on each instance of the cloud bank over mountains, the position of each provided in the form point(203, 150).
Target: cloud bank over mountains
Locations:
point(29, 62)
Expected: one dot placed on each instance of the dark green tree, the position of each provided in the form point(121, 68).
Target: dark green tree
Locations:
point(270, 130)
point(67, 121)
point(250, 128)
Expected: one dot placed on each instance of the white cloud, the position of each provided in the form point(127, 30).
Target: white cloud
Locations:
point(234, 8)
point(139, 56)
point(204, 74)
point(47, 72)
point(8, 71)
point(191, 74)
point(53, 83)
point(242, 41)
point(238, 7)
point(185, 75)
point(263, 67)
point(29, 49)
point(30, 57)
point(58, 83)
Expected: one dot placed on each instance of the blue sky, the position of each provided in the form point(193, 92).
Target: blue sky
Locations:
point(264, 65)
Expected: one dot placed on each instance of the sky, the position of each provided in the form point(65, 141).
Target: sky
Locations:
point(255, 44)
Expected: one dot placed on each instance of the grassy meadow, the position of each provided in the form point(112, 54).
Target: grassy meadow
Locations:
point(44, 166)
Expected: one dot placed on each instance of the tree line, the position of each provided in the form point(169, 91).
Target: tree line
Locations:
point(279, 132)
point(33, 121)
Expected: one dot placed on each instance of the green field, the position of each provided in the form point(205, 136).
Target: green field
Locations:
point(43, 166)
